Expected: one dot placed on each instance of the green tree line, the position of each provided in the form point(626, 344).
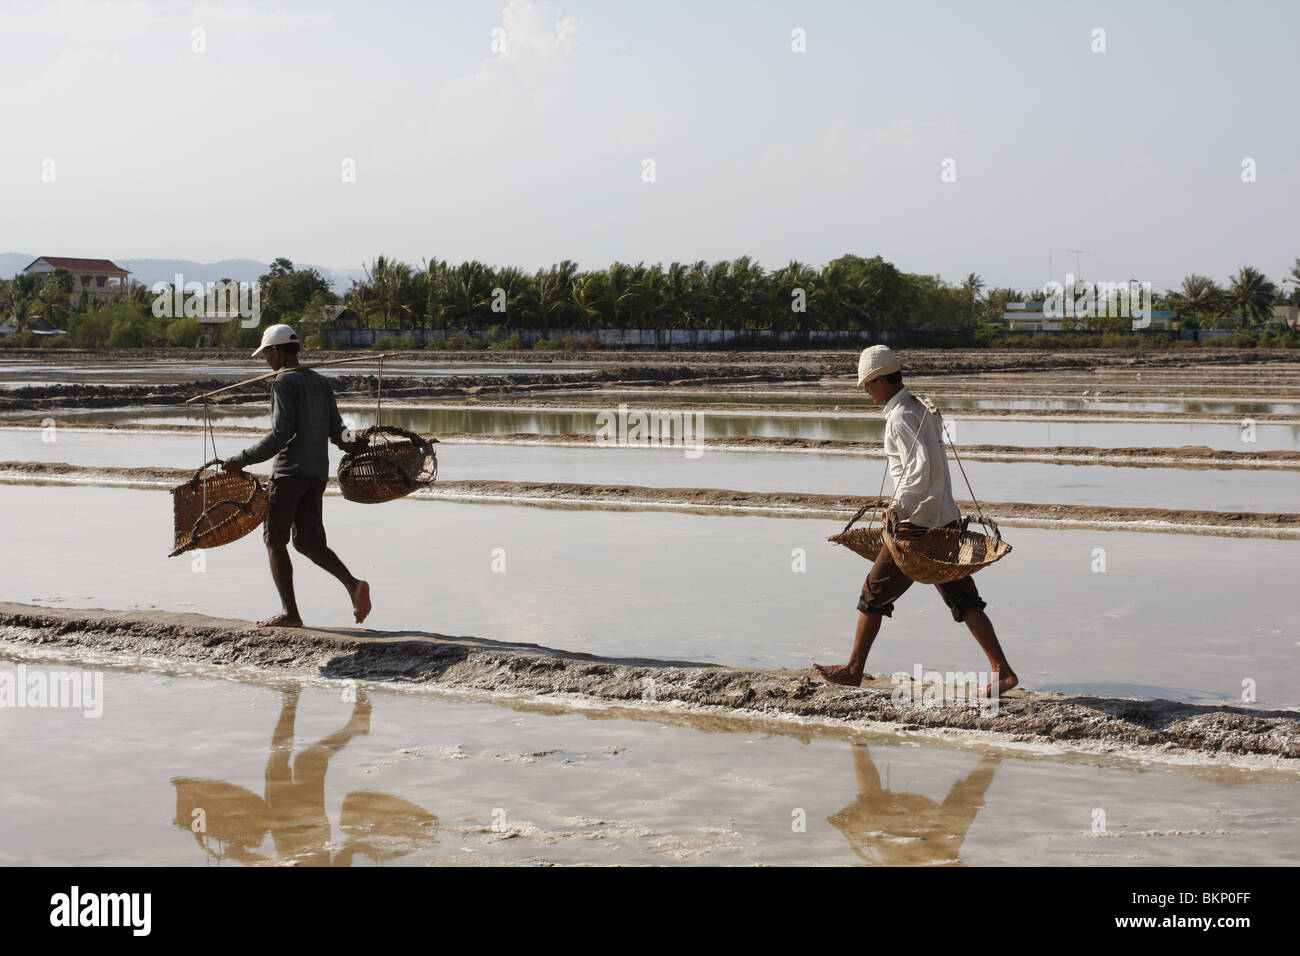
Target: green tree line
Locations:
point(850, 293)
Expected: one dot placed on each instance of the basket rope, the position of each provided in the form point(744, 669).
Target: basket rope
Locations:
point(391, 463)
point(226, 518)
point(210, 436)
point(238, 504)
point(885, 474)
point(929, 407)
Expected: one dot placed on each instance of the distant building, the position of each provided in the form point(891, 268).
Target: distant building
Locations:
point(1029, 317)
point(338, 317)
point(97, 277)
point(1280, 317)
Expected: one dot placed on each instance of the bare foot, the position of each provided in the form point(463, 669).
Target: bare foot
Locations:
point(839, 674)
point(361, 601)
point(280, 620)
point(1004, 685)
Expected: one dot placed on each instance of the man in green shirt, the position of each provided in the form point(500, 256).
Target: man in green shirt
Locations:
point(304, 416)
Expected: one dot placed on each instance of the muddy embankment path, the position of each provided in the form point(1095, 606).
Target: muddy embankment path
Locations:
point(718, 501)
point(1079, 722)
point(400, 387)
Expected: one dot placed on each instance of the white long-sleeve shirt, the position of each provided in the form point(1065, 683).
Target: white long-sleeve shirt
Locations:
point(920, 473)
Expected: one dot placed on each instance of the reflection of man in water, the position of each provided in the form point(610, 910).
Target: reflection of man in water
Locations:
point(377, 824)
point(296, 795)
point(907, 829)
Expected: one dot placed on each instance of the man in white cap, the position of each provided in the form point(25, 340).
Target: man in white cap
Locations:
point(304, 415)
point(923, 499)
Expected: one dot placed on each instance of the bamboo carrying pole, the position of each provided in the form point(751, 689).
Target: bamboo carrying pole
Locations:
point(263, 377)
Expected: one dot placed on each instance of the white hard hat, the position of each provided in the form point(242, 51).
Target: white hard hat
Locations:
point(877, 361)
point(276, 335)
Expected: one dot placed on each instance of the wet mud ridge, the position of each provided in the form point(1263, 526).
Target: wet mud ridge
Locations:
point(481, 665)
point(400, 387)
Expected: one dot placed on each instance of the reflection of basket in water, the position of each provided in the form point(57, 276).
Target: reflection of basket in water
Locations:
point(390, 463)
point(216, 509)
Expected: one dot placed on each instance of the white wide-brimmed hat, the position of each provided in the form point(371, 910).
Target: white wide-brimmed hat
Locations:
point(276, 335)
point(877, 361)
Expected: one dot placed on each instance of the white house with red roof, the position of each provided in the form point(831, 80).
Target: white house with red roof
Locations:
point(97, 277)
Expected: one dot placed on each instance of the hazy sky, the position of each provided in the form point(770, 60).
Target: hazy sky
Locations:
point(535, 154)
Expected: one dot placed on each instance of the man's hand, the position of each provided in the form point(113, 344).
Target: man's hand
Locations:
point(889, 518)
point(232, 466)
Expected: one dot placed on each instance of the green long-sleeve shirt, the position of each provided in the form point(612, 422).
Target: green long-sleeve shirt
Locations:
point(304, 415)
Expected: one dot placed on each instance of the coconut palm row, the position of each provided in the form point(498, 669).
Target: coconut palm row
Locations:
point(1248, 294)
point(849, 293)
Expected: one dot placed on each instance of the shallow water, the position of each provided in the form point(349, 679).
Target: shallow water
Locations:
point(845, 427)
point(1178, 616)
point(1178, 406)
point(189, 770)
point(1267, 490)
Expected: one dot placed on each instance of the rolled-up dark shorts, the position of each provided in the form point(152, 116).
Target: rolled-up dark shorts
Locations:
point(886, 583)
point(296, 505)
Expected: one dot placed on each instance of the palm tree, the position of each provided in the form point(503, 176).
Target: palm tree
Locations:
point(752, 293)
point(360, 299)
point(519, 293)
point(845, 298)
point(783, 283)
point(1253, 294)
point(548, 298)
point(137, 293)
point(654, 303)
point(435, 291)
point(615, 294)
point(470, 293)
point(379, 289)
point(972, 285)
point(21, 295)
point(17, 303)
point(1198, 294)
point(51, 303)
point(681, 296)
point(719, 282)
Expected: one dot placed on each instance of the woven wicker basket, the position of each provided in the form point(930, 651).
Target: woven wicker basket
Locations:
point(390, 463)
point(865, 541)
point(931, 556)
point(216, 509)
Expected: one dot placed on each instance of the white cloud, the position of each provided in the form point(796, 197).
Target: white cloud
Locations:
point(522, 89)
point(534, 31)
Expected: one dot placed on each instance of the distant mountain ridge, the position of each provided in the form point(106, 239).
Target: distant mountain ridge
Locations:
point(150, 271)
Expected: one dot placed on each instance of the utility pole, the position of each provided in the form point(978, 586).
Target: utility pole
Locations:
point(1077, 269)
